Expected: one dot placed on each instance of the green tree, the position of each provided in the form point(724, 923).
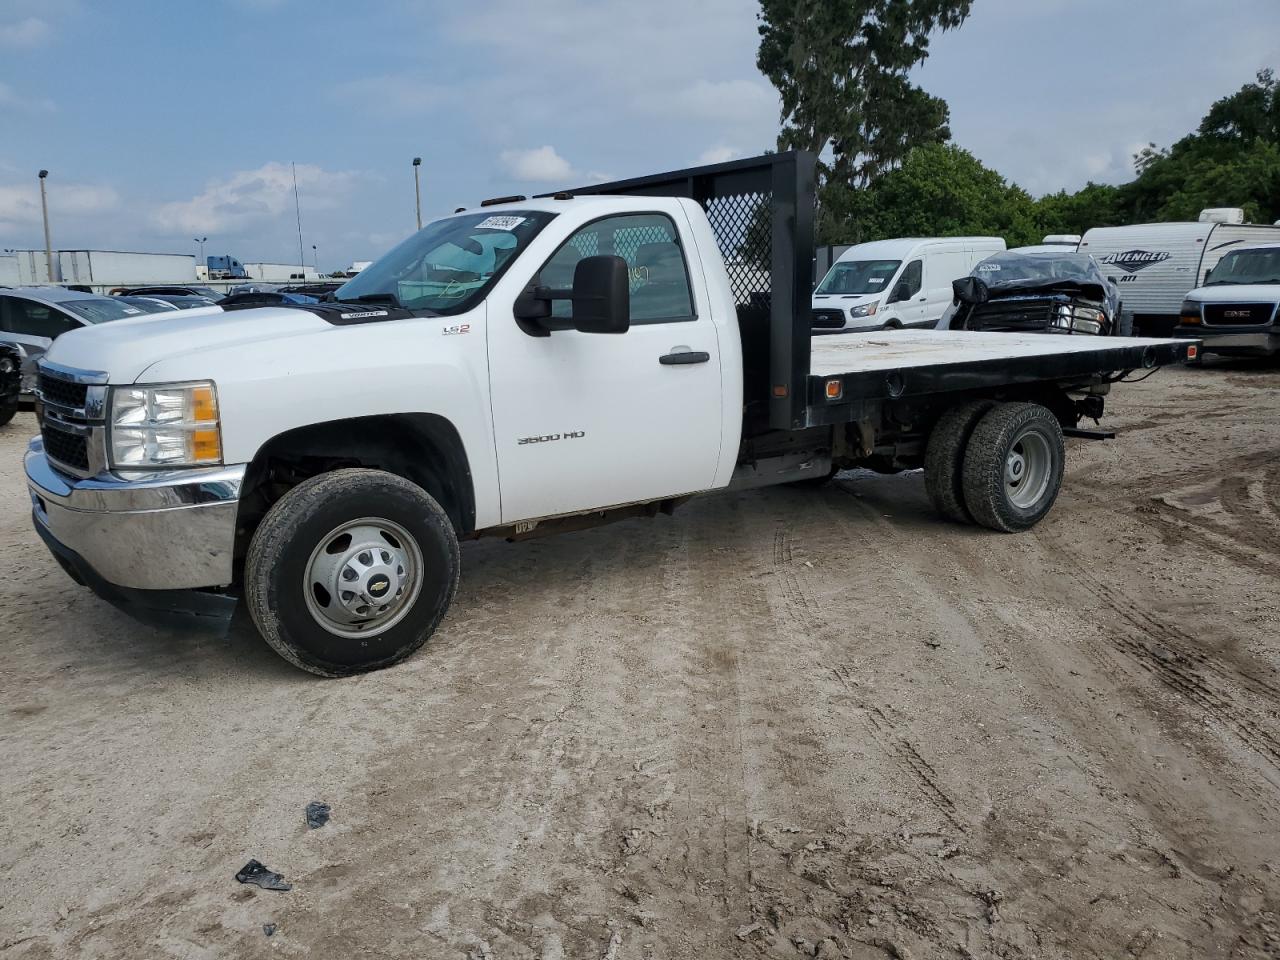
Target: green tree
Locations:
point(1232, 159)
point(841, 70)
point(943, 190)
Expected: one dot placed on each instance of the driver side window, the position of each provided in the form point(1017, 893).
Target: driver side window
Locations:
point(658, 279)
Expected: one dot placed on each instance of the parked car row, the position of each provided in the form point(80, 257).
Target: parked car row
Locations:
point(31, 318)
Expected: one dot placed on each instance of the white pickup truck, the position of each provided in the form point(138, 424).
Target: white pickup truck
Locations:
point(532, 366)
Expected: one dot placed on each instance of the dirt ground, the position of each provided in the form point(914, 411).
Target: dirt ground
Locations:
point(779, 723)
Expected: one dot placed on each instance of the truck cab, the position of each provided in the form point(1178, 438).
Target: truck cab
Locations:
point(1236, 311)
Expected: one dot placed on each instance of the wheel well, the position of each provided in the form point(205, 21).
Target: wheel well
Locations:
point(422, 448)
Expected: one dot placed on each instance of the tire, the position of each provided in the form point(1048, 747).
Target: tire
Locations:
point(944, 458)
point(373, 526)
point(1013, 466)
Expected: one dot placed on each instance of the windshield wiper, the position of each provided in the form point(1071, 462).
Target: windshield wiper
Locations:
point(388, 298)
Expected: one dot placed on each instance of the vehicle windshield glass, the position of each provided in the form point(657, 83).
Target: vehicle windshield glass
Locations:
point(1009, 267)
point(1247, 266)
point(449, 265)
point(859, 276)
point(102, 309)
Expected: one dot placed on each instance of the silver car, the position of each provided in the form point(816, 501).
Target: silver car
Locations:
point(31, 318)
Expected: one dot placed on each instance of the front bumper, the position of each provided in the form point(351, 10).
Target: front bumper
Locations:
point(165, 531)
point(1254, 344)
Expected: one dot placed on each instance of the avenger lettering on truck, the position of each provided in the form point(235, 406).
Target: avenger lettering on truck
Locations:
point(321, 466)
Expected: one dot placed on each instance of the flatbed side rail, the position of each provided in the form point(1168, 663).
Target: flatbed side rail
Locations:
point(762, 212)
point(907, 382)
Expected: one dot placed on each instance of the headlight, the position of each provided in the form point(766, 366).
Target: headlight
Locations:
point(175, 425)
point(865, 310)
point(1080, 319)
point(1190, 312)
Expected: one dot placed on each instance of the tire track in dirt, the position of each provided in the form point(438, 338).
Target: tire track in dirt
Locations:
point(807, 615)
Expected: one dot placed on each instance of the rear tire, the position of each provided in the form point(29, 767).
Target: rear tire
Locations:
point(944, 458)
point(1013, 466)
point(351, 571)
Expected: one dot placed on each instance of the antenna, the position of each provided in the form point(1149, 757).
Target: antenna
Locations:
point(297, 207)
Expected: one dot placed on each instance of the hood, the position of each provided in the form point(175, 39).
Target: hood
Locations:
point(1022, 288)
point(1237, 293)
point(845, 299)
point(124, 349)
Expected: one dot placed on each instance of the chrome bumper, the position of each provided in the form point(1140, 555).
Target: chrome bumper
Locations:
point(173, 530)
point(1263, 343)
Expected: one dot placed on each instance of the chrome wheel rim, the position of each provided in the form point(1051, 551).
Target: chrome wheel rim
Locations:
point(363, 578)
point(1027, 469)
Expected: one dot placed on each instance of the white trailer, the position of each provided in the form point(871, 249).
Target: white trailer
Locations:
point(1156, 264)
point(280, 272)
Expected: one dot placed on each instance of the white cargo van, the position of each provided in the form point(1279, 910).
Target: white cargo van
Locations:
point(891, 284)
point(1157, 264)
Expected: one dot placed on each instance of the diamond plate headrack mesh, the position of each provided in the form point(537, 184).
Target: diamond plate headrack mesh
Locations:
point(743, 226)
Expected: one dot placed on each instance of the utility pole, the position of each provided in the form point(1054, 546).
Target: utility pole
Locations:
point(417, 189)
point(48, 242)
point(315, 258)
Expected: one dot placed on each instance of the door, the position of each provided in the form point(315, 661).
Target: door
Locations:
point(583, 421)
point(909, 301)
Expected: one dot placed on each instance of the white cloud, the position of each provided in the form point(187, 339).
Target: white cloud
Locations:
point(20, 203)
point(539, 164)
point(12, 100)
point(720, 154)
point(27, 32)
point(253, 196)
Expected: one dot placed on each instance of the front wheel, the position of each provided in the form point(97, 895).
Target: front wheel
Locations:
point(351, 571)
point(1013, 466)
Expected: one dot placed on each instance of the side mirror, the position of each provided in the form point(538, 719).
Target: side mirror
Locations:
point(601, 295)
point(970, 290)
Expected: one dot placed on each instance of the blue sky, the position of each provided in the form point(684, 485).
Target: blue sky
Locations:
point(162, 121)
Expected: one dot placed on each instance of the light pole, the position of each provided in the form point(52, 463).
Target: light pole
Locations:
point(315, 259)
point(48, 242)
point(201, 241)
point(417, 189)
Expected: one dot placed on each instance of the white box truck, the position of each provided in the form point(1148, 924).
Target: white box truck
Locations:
point(533, 366)
point(1155, 265)
point(103, 269)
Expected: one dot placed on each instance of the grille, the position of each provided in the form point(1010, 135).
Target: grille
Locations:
point(66, 448)
point(1238, 314)
point(828, 319)
point(62, 393)
point(1012, 315)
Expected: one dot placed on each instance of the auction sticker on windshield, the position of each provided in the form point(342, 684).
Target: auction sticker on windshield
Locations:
point(500, 223)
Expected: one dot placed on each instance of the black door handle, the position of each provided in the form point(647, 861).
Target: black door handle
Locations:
point(684, 356)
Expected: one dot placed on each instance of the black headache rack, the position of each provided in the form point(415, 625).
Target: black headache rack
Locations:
point(762, 213)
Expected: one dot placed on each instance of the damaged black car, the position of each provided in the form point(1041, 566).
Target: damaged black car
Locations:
point(1036, 293)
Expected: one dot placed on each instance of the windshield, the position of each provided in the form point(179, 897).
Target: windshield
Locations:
point(102, 309)
point(1010, 267)
point(1247, 266)
point(449, 265)
point(859, 276)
